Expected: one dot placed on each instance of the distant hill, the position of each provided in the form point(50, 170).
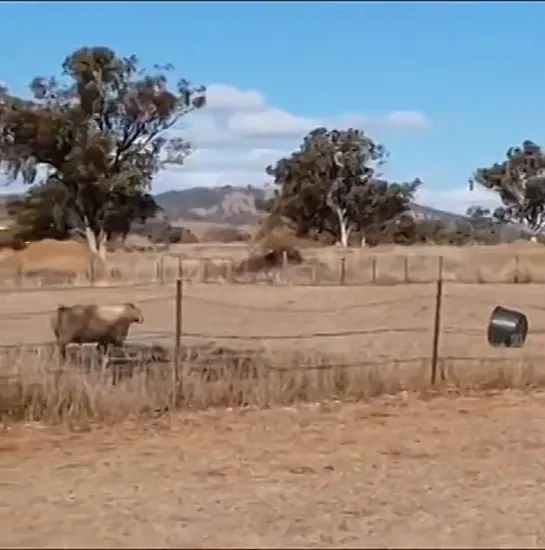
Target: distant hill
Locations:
point(427, 213)
point(236, 205)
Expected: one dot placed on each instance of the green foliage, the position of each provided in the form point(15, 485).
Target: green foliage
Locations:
point(519, 182)
point(332, 181)
point(407, 231)
point(483, 218)
point(478, 212)
point(99, 134)
point(32, 214)
point(36, 214)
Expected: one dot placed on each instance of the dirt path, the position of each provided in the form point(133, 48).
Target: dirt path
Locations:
point(447, 472)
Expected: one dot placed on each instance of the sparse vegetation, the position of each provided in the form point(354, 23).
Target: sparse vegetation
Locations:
point(97, 135)
point(34, 389)
point(319, 373)
point(520, 183)
point(224, 235)
point(331, 185)
point(101, 140)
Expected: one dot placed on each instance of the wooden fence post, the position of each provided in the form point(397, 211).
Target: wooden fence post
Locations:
point(374, 270)
point(160, 270)
point(343, 271)
point(437, 323)
point(230, 272)
point(405, 269)
point(19, 274)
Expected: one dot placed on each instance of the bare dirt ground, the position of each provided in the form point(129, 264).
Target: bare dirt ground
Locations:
point(356, 322)
point(448, 472)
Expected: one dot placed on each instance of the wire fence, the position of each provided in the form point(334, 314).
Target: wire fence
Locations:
point(319, 269)
point(440, 324)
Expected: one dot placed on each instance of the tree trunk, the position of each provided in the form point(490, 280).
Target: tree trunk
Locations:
point(345, 231)
point(102, 241)
point(97, 243)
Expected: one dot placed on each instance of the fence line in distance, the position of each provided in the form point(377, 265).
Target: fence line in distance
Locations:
point(177, 271)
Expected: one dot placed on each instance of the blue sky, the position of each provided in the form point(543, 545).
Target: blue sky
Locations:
point(447, 87)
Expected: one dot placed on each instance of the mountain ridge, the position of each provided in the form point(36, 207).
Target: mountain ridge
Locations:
point(231, 204)
point(236, 205)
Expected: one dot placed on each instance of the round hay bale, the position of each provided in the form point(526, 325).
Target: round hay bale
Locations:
point(265, 258)
point(507, 328)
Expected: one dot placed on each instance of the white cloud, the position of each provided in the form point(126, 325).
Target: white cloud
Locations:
point(458, 199)
point(271, 122)
point(392, 121)
point(220, 96)
point(410, 120)
point(239, 134)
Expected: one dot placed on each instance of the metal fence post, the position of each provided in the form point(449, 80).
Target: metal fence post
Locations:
point(437, 322)
point(177, 374)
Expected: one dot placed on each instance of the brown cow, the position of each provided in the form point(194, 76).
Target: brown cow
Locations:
point(105, 325)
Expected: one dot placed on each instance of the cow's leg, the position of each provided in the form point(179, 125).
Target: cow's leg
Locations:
point(103, 354)
point(106, 364)
point(61, 346)
point(118, 365)
point(114, 366)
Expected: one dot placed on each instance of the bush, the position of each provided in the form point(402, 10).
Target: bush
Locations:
point(182, 235)
point(167, 234)
point(224, 235)
point(11, 241)
point(406, 231)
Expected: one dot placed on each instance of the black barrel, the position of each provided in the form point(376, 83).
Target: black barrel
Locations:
point(507, 328)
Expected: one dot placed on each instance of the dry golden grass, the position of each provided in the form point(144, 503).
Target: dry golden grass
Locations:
point(401, 472)
point(281, 345)
point(418, 468)
point(209, 262)
point(324, 265)
point(34, 390)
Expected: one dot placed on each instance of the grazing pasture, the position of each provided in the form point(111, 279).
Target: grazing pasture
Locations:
point(342, 422)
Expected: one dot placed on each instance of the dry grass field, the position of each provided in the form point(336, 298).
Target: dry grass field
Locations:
point(399, 472)
point(456, 468)
point(211, 262)
point(523, 261)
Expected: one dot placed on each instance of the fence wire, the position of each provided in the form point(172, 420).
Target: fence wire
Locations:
point(432, 324)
